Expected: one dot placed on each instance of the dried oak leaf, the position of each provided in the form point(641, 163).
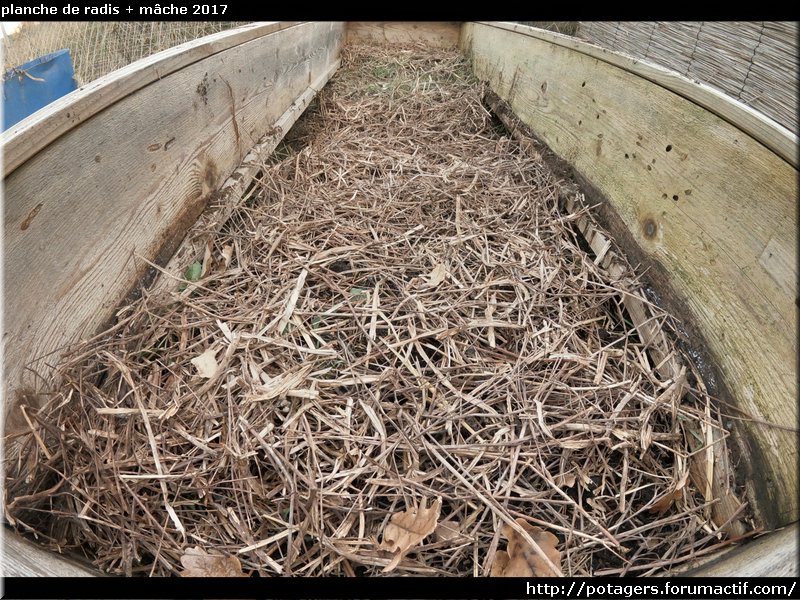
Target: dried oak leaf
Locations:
point(520, 559)
point(408, 528)
point(199, 563)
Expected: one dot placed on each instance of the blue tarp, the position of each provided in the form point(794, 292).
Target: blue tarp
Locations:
point(35, 84)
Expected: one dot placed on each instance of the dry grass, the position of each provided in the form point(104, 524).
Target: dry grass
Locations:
point(399, 311)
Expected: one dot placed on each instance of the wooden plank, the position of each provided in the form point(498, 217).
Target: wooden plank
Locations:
point(772, 555)
point(437, 34)
point(22, 558)
point(698, 196)
point(29, 136)
point(129, 182)
point(777, 138)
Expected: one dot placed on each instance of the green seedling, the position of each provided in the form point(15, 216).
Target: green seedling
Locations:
point(192, 273)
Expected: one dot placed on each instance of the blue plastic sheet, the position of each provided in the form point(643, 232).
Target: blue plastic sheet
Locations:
point(36, 84)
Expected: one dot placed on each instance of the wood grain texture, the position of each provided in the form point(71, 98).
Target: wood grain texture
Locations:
point(437, 34)
point(26, 138)
point(129, 182)
point(22, 558)
point(777, 138)
point(772, 555)
point(711, 204)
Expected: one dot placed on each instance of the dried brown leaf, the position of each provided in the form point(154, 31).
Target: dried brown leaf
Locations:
point(520, 559)
point(500, 564)
point(227, 254)
point(446, 532)
point(206, 364)
point(408, 528)
point(667, 500)
point(565, 479)
point(199, 563)
point(663, 504)
point(598, 506)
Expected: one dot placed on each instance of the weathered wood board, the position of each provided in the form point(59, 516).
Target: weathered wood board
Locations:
point(772, 555)
point(130, 181)
point(22, 558)
point(783, 141)
point(436, 34)
point(700, 196)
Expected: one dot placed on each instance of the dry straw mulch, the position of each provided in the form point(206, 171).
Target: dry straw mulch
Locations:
point(398, 313)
